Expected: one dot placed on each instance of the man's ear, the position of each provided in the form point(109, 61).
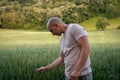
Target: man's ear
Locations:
point(55, 24)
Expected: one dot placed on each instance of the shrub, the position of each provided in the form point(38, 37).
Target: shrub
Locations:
point(118, 27)
point(101, 24)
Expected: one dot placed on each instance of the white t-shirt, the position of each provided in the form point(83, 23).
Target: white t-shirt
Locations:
point(71, 50)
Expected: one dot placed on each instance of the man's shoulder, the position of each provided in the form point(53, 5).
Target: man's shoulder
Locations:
point(75, 26)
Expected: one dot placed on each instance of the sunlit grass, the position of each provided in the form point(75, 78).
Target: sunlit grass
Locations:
point(27, 38)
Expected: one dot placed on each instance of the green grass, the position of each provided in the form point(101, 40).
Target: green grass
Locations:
point(21, 52)
point(90, 24)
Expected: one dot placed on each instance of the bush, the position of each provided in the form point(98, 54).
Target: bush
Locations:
point(0, 24)
point(118, 27)
point(101, 24)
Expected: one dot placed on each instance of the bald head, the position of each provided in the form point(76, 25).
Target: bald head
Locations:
point(53, 20)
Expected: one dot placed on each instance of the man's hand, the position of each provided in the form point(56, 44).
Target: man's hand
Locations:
point(42, 69)
point(73, 78)
point(74, 75)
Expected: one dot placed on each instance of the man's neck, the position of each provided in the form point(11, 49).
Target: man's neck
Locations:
point(65, 28)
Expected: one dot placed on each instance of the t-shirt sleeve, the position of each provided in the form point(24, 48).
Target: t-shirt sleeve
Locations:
point(77, 31)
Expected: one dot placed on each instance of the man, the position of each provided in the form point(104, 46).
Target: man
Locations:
point(74, 50)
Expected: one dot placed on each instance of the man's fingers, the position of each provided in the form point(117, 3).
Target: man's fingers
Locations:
point(39, 69)
point(42, 69)
point(73, 78)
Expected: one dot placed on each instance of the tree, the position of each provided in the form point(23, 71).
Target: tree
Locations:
point(101, 23)
point(33, 14)
point(111, 11)
point(12, 20)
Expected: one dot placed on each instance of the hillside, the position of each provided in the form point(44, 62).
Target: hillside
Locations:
point(90, 24)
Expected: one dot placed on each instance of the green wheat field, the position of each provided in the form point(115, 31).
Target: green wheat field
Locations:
point(22, 52)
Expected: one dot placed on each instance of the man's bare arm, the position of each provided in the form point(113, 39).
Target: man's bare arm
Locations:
point(54, 64)
point(84, 44)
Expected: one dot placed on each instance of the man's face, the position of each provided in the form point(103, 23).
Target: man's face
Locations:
point(55, 30)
